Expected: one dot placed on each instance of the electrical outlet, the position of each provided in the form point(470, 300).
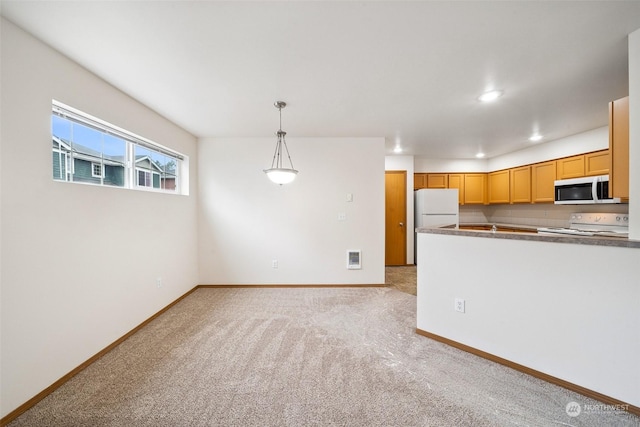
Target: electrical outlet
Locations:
point(342, 216)
point(274, 263)
point(159, 282)
point(459, 305)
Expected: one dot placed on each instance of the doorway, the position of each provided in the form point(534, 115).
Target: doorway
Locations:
point(395, 183)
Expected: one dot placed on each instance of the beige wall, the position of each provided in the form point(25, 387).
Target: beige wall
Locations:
point(246, 221)
point(592, 140)
point(79, 262)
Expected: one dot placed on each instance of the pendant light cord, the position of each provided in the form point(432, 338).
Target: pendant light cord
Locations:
point(277, 156)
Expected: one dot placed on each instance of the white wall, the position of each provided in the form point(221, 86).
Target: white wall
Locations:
point(634, 135)
point(246, 221)
point(584, 142)
point(528, 303)
point(79, 262)
point(592, 140)
point(423, 164)
point(405, 163)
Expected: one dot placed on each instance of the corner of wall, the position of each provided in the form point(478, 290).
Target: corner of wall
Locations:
point(634, 135)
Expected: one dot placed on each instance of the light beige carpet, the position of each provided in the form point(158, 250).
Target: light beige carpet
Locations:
point(301, 357)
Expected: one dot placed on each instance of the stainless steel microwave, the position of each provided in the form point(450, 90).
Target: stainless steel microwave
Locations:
point(583, 191)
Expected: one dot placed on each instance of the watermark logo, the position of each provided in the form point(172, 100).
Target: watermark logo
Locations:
point(573, 409)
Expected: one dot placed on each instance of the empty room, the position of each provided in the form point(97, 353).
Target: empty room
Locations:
point(234, 213)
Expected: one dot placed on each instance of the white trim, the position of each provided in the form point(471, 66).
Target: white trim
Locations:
point(152, 173)
point(69, 112)
point(101, 166)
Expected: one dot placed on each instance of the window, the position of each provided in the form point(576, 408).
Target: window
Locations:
point(60, 160)
point(89, 150)
point(155, 169)
point(96, 170)
point(148, 179)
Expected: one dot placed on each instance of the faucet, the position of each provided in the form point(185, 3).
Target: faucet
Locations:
point(494, 228)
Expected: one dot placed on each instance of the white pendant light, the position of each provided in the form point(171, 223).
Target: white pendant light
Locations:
point(277, 173)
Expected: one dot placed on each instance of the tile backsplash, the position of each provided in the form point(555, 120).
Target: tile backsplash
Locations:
point(545, 215)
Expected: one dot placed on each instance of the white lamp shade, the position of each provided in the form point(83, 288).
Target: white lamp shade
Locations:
point(281, 175)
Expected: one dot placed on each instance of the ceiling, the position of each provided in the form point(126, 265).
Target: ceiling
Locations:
point(408, 71)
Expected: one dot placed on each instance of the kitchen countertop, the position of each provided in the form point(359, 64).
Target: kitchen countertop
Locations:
point(528, 235)
point(525, 228)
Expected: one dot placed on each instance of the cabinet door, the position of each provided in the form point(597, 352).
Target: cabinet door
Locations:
point(597, 163)
point(570, 167)
point(521, 185)
point(456, 180)
point(542, 177)
point(499, 186)
point(419, 181)
point(437, 180)
point(619, 147)
point(475, 188)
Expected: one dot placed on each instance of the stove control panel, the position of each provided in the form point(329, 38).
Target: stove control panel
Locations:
point(605, 219)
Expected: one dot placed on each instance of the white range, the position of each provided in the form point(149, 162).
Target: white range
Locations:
point(593, 224)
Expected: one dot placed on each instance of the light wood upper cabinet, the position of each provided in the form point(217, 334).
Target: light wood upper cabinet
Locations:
point(597, 163)
point(437, 180)
point(570, 167)
point(619, 148)
point(520, 184)
point(419, 181)
point(456, 180)
point(535, 183)
point(499, 186)
point(543, 176)
point(475, 188)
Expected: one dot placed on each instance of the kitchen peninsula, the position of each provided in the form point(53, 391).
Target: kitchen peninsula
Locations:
point(562, 308)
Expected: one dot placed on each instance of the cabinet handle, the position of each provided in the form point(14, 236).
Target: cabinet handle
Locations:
point(401, 225)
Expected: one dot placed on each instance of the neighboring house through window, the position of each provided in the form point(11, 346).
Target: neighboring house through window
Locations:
point(89, 150)
point(61, 157)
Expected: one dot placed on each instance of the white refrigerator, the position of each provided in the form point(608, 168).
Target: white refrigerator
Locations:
point(435, 208)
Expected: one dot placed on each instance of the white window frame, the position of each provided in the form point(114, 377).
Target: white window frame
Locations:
point(68, 164)
point(145, 172)
point(131, 140)
point(93, 166)
point(67, 159)
point(151, 174)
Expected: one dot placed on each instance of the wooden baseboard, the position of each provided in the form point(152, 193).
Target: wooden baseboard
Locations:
point(296, 286)
point(47, 391)
point(534, 373)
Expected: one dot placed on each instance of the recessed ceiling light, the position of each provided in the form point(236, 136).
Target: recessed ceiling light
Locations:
point(535, 138)
point(490, 96)
point(397, 149)
point(480, 155)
